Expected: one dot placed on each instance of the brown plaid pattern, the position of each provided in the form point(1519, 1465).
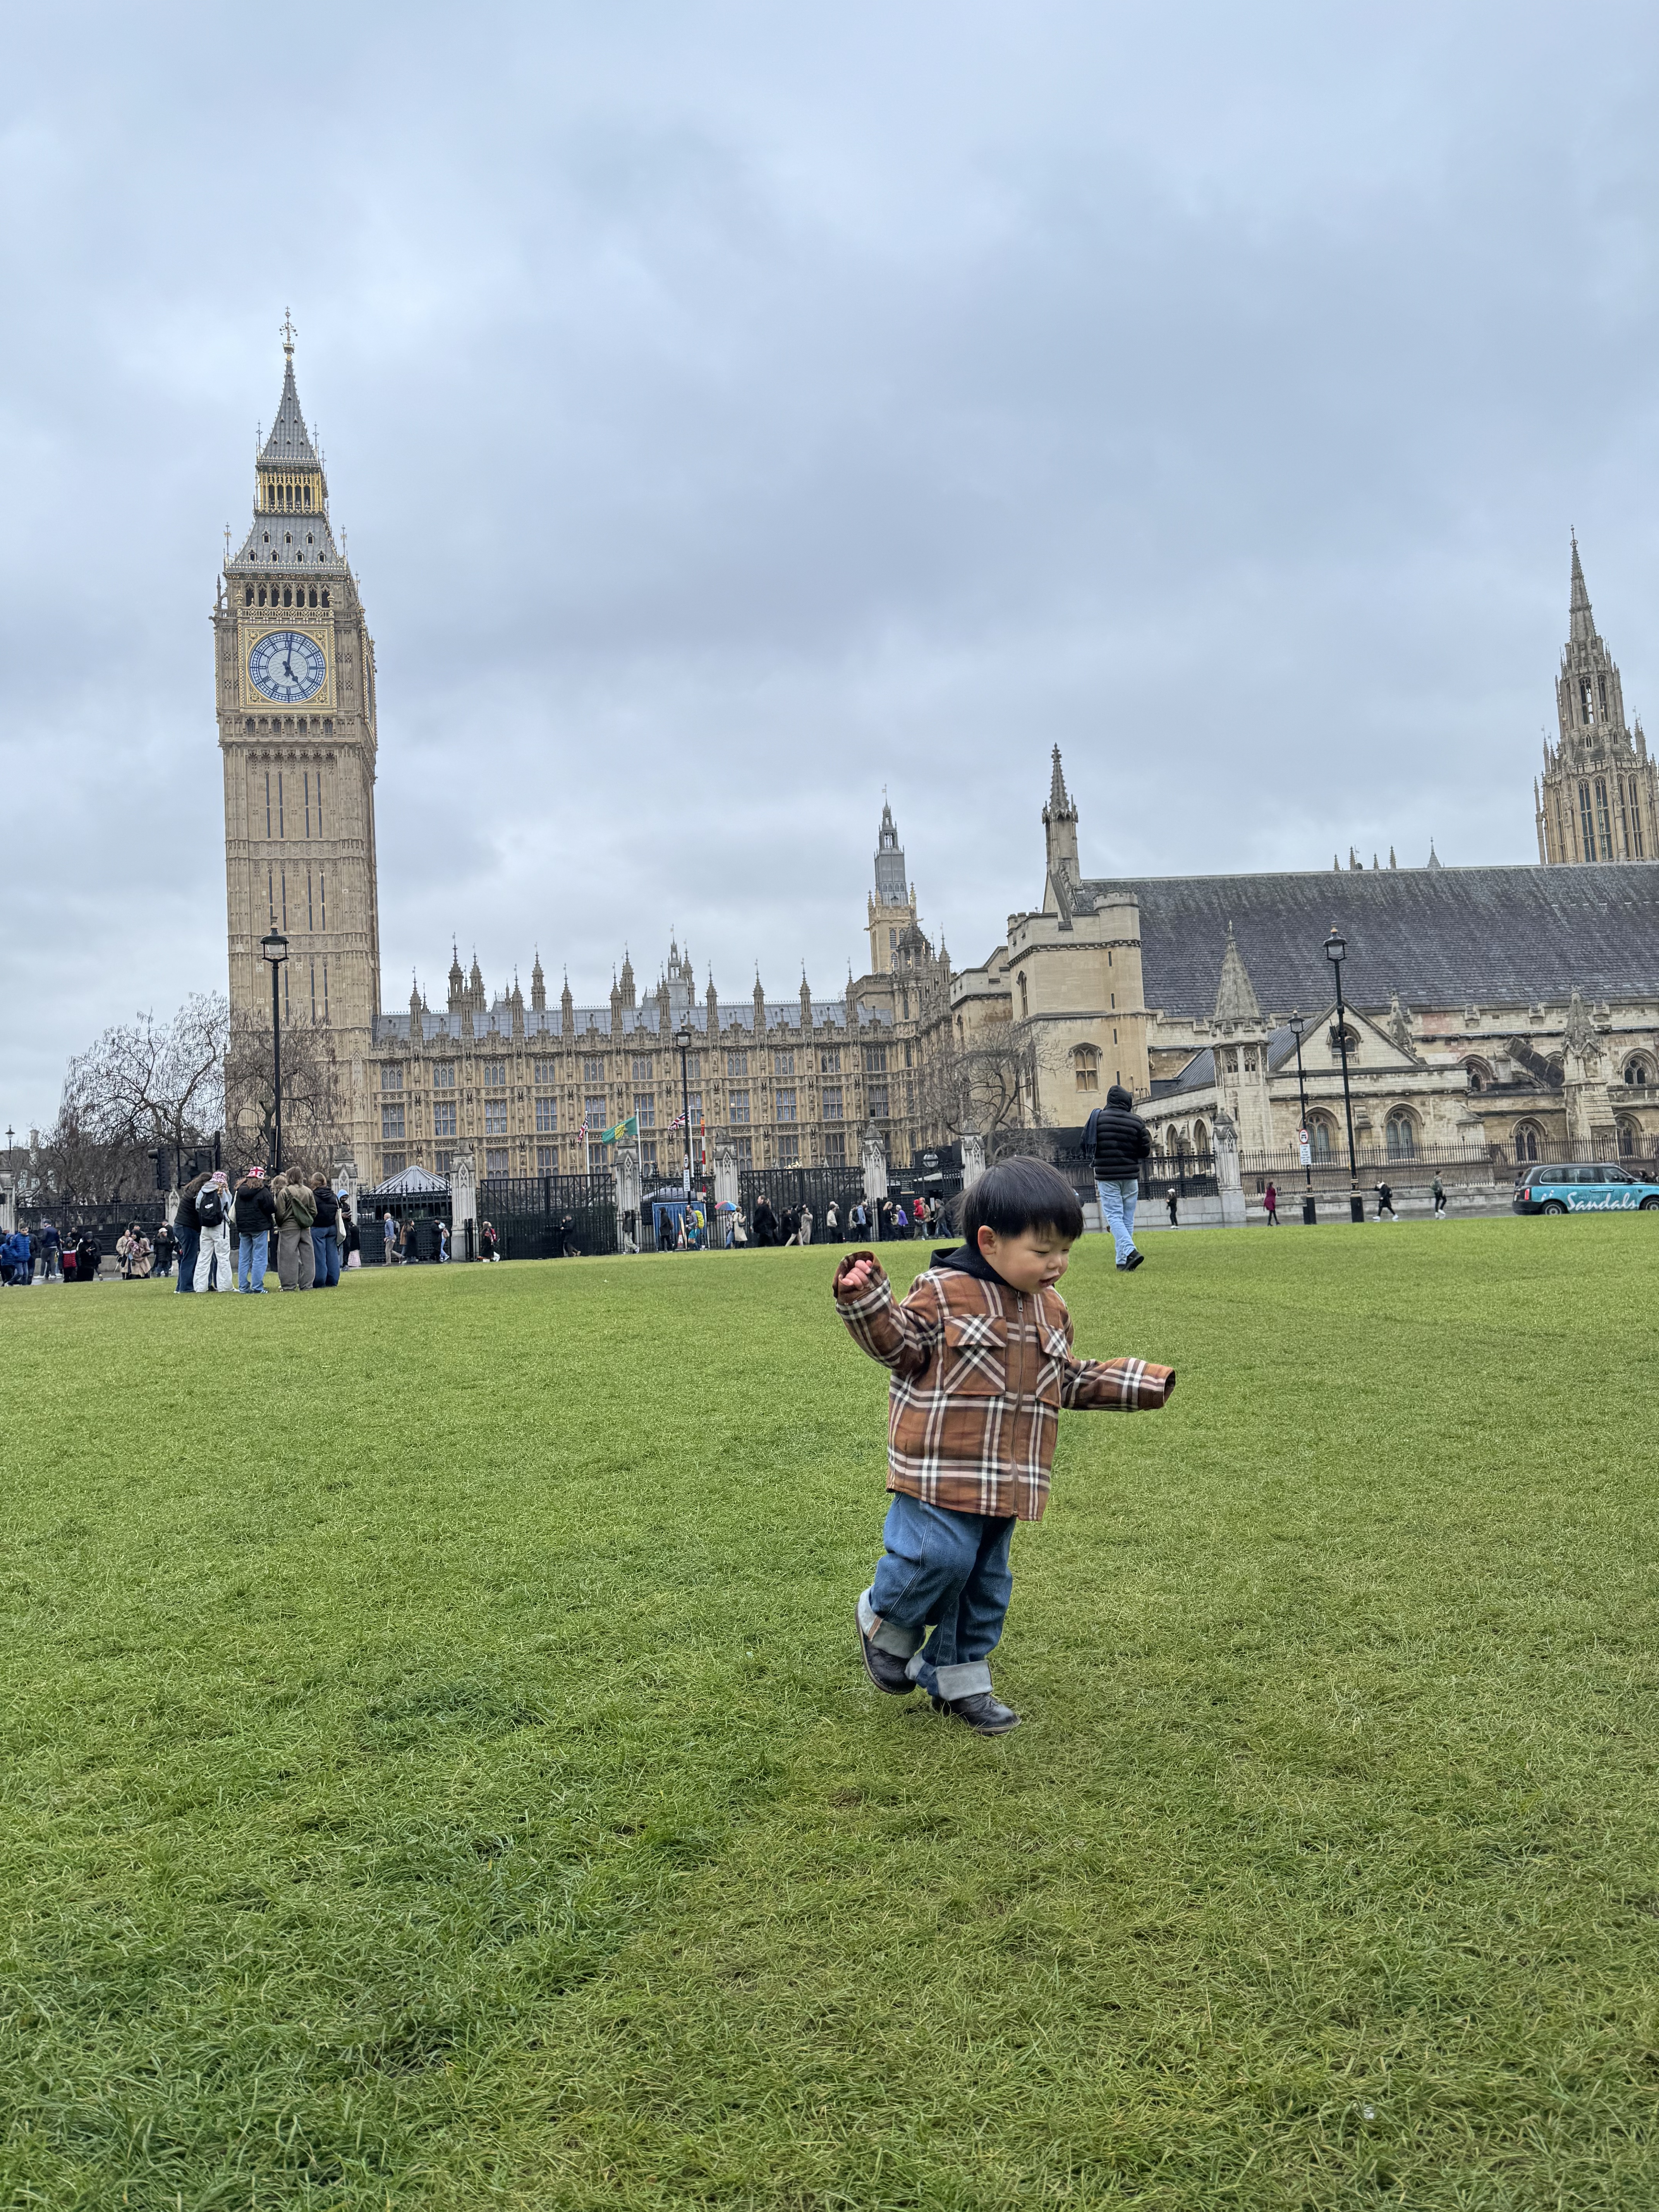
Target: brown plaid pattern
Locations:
point(980, 1374)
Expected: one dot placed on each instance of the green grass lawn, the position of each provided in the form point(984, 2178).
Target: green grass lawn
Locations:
point(438, 1771)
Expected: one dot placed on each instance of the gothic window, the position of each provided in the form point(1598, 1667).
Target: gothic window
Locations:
point(829, 1062)
point(593, 1112)
point(1024, 1002)
point(641, 1068)
point(783, 1063)
point(737, 1063)
point(324, 594)
point(694, 1066)
point(744, 1149)
point(788, 1152)
point(736, 1106)
point(875, 1060)
point(495, 1074)
point(262, 595)
point(546, 1073)
point(1627, 1138)
point(832, 1101)
point(1400, 1133)
point(547, 1159)
point(1322, 1134)
point(694, 1104)
point(443, 1117)
point(1586, 824)
point(1636, 818)
point(785, 1106)
point(1200, 1139)
point(877, 1102)
point(443, 1075)
point(892, 940)
point(1480, 1074)
point(247, 595)
point(1638, 1071)
point(835, 1150)
point(547, 1114)
point(313, 595)
point(645, 1106)
point(288, 596)
point(1602, 690)
point(593, 1072)
point(1602, 817)
point(392, 1078)
point(1085, 1061)
point(496, 1160)
point(267, 802)
point(322, 879)
point(1526, 1141)
point(1586, 704)
point(495, 1117)
point(392, 1121)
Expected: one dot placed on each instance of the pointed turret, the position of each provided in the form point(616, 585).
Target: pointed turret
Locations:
point(567, 1008)
point(416, 1026)
point(476, 987)
point(1434, 858)
point(628, 980)
point(516, 1004)
point(1581, 625)
point(537, 988)
point(457, 981)
point(806, 1004)
point(711, 1001)
point(1236, 1001)
point(1059, 825)
point(760, 1007)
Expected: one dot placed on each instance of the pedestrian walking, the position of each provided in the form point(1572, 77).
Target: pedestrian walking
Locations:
point(963, 1469)
point(349, 1235)
point(900, 1221)
point(859, 1220)
point(388, 1237)
point(133, 1251)
point(443, 1244)
point(1385, 1202)
point(51, 1253)
point(324, 1237)
point(88, 1254)
point(295, 1210)
point(1437, 1191)
point(1270, 1199)
point(489, 1243)
point(215, 1206)
point(187, 1227)
point(1116, 1139)
point(807, 1225)
point(1170, 1199)
point(254, 1211)
point(831, 1224)
point(165, 1250)
point(766, 1222)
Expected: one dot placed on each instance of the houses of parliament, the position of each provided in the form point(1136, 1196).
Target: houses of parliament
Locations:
point(1506, 1006)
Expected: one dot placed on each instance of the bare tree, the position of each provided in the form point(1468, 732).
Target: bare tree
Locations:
point(145, 1085)
point(314, 1118)
point(982, 1084)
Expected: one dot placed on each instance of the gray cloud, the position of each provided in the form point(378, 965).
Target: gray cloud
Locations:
point(732, 413)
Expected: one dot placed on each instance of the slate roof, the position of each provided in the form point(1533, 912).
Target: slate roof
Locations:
point(642, 1021)
point(411, 1182)
point(1441, 937)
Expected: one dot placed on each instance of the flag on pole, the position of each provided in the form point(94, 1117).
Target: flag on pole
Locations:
point(630, 1127)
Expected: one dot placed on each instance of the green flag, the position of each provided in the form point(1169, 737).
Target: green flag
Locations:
point(630, 1127)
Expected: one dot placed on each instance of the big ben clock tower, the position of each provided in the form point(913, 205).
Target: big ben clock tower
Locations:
point(294, 668)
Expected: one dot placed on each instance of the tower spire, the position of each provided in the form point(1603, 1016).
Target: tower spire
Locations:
point(1581, 622)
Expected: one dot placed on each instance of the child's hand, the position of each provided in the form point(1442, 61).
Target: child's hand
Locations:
point(856, 1273)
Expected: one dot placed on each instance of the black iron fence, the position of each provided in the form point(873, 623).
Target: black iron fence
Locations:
point(787, 1189)
point(550, 1216)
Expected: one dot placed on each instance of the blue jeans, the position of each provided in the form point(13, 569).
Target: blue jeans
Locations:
point(188, 1241)
point(251, 1261)
point(1117, 1211)
point(325, 1247)
point(947, 1569)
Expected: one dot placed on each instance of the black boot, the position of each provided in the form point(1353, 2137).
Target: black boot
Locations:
point(886, 1671)
point(981, 1712)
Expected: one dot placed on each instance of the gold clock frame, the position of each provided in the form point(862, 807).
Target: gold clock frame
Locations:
point(321, 633)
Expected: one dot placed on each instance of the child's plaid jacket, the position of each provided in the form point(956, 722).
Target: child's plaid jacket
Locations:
point(980, 1374)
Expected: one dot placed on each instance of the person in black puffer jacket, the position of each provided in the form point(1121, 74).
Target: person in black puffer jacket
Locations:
point(325, 1235)
point(1118, 1140)
point(256, 1214)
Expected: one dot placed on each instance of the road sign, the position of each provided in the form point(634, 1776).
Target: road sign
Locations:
point(1303, 1146)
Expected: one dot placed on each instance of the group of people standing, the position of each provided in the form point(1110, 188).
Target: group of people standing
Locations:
point(298, 1212)
point(880, 1219)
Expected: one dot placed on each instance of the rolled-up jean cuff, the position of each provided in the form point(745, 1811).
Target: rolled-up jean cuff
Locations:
point(900, 1642)
point(969, 1680)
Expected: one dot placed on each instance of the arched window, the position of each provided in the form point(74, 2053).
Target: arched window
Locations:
point(1637, 1071)
point(313, 595)
point(1480, 1074)
point(262, 595)
point(288, 596)
point(1526, 1141)
point(1024, 1002)
point(324, 594)
point(247, 595)
point(1322, 1135)
point(1085, 1062)
point(1628, 1138)
point(1400, 1131)
point(1200, 1139)
point(1602, 817)
point(1586, 823)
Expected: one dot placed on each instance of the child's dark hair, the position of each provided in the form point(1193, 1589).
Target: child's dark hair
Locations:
point(1018, 1194)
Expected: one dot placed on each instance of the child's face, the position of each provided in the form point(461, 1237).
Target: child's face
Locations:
point(1032, 1261)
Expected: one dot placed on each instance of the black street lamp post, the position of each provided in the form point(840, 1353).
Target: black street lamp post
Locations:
point(1309, 1212)
point(683, 1039)
point(1336, 950)
point(274, 948)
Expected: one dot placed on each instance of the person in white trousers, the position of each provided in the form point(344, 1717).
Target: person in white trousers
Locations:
point(216, 1237)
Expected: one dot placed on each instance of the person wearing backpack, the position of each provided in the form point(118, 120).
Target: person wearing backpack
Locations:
point(295, 1209)
point(213, 1205)
point(187, 1227)
point(325, 1235)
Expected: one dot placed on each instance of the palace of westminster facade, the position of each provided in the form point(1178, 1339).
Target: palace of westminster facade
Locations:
point(1510, 1007)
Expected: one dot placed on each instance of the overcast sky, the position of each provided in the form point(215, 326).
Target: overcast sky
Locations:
point(732, 410)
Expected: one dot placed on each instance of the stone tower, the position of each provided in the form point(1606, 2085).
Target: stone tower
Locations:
point(294, 676)
point(1599, 799)
point(1059, 827)
point(892, 907)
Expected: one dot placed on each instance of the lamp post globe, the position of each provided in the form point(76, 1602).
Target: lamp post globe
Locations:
point(1336, 950)
point(274, 946)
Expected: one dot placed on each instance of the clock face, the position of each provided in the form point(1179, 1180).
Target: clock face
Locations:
point(287, 665)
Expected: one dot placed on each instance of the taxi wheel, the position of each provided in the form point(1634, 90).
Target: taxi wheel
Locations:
point(1552, 1206)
